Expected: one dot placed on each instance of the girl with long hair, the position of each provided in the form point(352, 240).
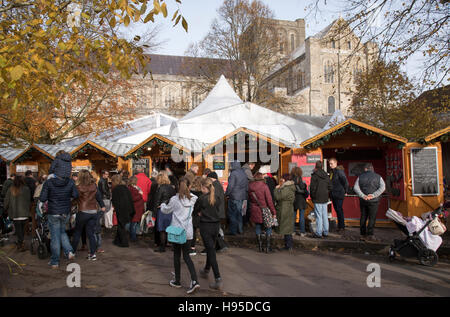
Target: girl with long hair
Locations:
point(163, 194)
point(17, 203)
point(181, 207)
point(88, 204)
point(207, 208)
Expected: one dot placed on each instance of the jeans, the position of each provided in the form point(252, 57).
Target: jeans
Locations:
point(177, 249)
point(235, 216)
point(258, 229)
point(209, 232)
point(88, 221)
point(133, 228)
point(57, 225)
point(368, 210)
point(98, 228)
point(337, 204)
point(321, 212)
point(302, 221)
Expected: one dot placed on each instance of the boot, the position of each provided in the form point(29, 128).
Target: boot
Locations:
point(268, 246)
point(259, 240)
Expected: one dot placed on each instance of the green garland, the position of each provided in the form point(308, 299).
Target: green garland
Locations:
point(357, 129)
point(27, 156)
point(83, 150)
point(166, 147)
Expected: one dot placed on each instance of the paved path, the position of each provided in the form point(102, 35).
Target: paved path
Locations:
point(138, 271)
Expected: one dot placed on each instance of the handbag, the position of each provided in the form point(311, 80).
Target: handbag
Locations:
point(268, 219)
point(176, 234)
point(436, 227)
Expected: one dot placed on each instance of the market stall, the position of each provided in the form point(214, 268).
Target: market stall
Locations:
point(155, 152)
point(96, 156)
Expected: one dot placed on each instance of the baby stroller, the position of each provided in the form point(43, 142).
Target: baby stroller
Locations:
point(40, 243)
point(414, 246)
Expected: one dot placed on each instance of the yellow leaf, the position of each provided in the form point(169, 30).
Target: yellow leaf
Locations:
point(16, 72)
point(149, 17)
point(185, 25)
point(126, 20)
point(156, 6)
point(174, 15)
point(164, 9)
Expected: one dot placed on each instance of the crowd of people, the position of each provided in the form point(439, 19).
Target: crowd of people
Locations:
point(195, 203)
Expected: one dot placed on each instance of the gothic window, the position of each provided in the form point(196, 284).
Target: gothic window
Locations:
point(281, 47)
point(328, 72)
point(331, 105)
point(333, 44)
point(292, 42)
point(349, 45)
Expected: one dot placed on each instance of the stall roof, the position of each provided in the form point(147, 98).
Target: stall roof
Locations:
point(437, 134)
point(360, 124)
point(211, 126)
point(9, 154)
point(113, 149)
point(140, 137)
point(268, 138)
point(190, 145)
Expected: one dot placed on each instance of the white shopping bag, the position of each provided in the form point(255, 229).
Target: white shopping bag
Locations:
point(109, 218)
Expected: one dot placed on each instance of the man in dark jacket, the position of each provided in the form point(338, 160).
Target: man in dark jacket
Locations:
point(236, 192)
point(59, 192)
point(339, 188)
point(31, 182)
point(369, 186)
point(319, 190)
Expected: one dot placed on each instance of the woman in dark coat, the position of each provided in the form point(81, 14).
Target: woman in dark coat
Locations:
point(285, 196)
point(196, 189)
point(259, 195)
point(17, 203)
point(301, 194)
point(123, 207)
point(139, 206)
point(164, 192)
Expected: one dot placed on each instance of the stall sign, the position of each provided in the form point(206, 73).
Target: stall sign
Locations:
point(307, 170)
point(313, 158)
point(141, 163)
point(76, 169)
point(424, 171)
point(24, 168)
point(219, 163)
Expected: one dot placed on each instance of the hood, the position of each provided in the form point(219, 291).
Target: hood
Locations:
point(189, 202)
point(235, 165)
point(60, 182)
point(65, 157)
point(321, 173)
point(287, 183)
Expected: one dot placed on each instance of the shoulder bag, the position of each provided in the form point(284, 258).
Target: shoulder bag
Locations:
point(176, 234)
point(268, 220)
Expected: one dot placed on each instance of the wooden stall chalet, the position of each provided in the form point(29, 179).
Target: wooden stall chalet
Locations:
point(244, 145)
point(37, 158)
point(99, 155)
point(353, 144)
point(155, 152)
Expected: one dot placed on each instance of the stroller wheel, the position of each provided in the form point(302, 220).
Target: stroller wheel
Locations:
point(391, 255)
point(428, 258)
point(42, 251)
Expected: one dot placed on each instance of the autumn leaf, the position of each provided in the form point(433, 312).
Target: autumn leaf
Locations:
point(16, 72)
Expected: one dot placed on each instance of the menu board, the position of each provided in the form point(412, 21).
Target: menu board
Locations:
point(141, 163)
point(424, 167)
point(313, 158)
point(219, 163)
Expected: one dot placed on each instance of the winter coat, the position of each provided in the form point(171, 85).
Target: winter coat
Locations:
point(300, 199)
point(138, 202)
point(220, 197)
point(6, 186)
point(262, 192)
point(123, 204)
point(271, 183)
point(145, 184)
point(181, 210)
point(31, 183)
point(163, 194)
point(237, 183)
point(59, 192)
point(339, 183)
point(195, 216)
point(320, 186)
point(62, 166)
point(104, 188)
point(151, 195)
point(208, 213)
point(18, 206)
point(285, 196)
point(248, 172)
point(89, 198)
